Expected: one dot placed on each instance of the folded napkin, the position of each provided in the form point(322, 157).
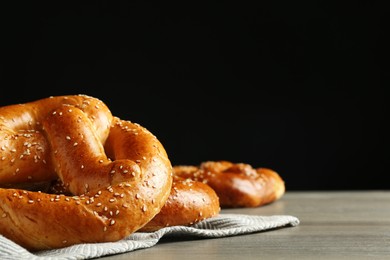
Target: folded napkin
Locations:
point(221, 226)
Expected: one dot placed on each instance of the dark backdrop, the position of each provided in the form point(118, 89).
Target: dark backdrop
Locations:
point(295, 86)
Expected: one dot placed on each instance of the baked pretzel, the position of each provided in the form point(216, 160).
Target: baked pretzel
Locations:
point(188, 203)
point(236, 184)
point(118, 173)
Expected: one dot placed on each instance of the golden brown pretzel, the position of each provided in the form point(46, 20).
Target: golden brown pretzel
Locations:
point(236, 184)
point(118, 171)
point(189, 202)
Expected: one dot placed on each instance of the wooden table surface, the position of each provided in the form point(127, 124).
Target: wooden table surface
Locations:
point(333, 225)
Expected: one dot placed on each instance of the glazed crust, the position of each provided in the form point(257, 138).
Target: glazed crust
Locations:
point(188, 203)
point(118, 173)
point(24, 148)
point(236, 184)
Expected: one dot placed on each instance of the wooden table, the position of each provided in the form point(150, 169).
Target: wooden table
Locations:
point(333, 225)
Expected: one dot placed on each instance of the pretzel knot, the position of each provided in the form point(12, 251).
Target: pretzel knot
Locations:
point(115, 171)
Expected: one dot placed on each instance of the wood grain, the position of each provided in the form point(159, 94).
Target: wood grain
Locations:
point(334, 225)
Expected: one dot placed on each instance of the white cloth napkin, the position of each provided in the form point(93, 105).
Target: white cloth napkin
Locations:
point(221, 226)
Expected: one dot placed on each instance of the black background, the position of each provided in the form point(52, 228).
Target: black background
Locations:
point(294, 86)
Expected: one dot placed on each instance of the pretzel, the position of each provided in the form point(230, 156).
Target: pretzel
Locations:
point(236, 184)
point(117, 171)
point(188, 203)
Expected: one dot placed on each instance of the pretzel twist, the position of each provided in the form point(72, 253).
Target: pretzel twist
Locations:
point(236, 184)
point(118, 172)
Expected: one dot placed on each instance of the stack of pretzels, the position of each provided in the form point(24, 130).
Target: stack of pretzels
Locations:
point(71, 173)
